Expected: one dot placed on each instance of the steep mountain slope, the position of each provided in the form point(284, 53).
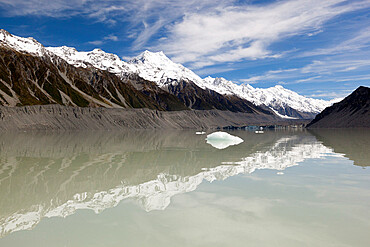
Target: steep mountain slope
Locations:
point(283, 101)
point(100, 79)
point(158, 68)
point(353, 111)
point(166, 85)
point(286, 103)
point(32, 80)
point(31, 75)
point(197, 98)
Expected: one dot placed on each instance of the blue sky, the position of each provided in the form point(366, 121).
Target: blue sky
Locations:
point(318, 48)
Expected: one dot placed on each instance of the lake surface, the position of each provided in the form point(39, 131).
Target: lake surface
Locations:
point(145, 188)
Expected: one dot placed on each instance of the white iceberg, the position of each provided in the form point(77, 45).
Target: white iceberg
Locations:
point(200, 133)
point(222, 140)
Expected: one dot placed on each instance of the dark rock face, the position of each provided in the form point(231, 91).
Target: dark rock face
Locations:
point(288, 111)
point(197, 98)
point(164, 99)
point(351, 112)
point(31, 80)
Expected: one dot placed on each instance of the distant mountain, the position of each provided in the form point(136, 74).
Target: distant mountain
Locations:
point(282, 101)
point(158, 68)
point(157, 77)
point(31, 74)
point(31, 80)
point(353, 111)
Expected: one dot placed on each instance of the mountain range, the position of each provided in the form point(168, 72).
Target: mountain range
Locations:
point(31, 74)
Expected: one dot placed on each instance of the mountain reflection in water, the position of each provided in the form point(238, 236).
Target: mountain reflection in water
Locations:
point(51, 174)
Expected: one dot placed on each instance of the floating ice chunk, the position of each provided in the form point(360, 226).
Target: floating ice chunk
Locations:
point(221, 140)
point(200, 133)
point(280, 173)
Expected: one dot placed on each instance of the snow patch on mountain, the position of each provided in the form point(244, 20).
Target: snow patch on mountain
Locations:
point(152, 66)
point(28, 45)
point(96, 58)
point(158, 68)
point(274, 97)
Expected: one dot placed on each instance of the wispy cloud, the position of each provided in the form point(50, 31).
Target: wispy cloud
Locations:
point(333, 69)
point(246, 32)
point(276, 75)
point(360, 40)
point(207, 32)
point(111, 37)
point(96, 42)
point(144, 17)
point(104, 40)
point(333, 95)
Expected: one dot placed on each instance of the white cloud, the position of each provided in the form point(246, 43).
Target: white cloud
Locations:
point(331, 66)
point(276, 75)
point(143, 17)
point(333, 95)
point(96, 42)
point(360, 40)
point(353, 67)
point(149, 30)
point(104, 40)
point(111, 37)
point(235, 33)
point(202, 33)
point(308, 79)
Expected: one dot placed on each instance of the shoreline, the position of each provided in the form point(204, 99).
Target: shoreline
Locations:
point(59, 117)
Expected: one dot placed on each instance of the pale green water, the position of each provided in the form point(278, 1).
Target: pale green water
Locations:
point(173, 189)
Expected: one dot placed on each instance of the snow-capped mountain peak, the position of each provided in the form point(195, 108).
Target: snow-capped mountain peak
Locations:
point(277, 98)
point(157, 67)
point(28, 45)
point(96, 58)
point(151, 57)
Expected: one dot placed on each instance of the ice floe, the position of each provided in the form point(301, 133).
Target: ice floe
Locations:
point(222, 140)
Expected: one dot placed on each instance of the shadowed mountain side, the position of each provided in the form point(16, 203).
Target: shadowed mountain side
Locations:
point(353, 143)
point(31, 80)
point(59, 117)
point(351, 112)
point(165, 100)
point(289, 111)
point(197, 98)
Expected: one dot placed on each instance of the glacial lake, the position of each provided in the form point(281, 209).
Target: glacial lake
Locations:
point(171, 188)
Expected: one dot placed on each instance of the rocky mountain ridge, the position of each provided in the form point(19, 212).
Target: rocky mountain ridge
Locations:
point(352, 112)
point(159, 69)
point(31, 74)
